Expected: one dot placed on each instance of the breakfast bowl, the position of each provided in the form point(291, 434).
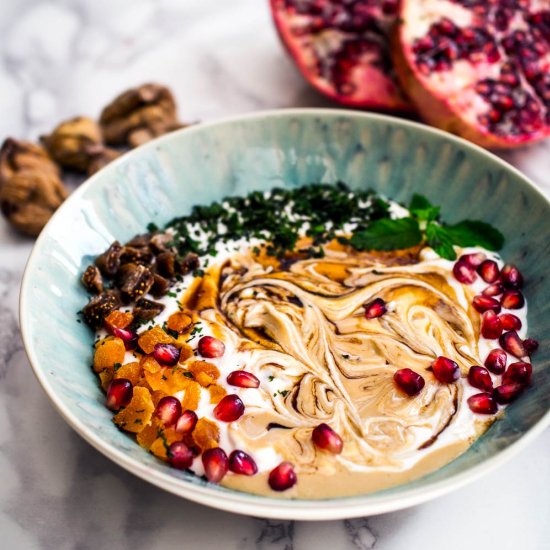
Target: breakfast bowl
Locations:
point(287, 149)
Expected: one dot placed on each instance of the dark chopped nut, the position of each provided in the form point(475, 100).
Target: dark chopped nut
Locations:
point(160, 286)
point(138, 115)
point(30, 186)
point(145, 310)
point(142, 256)
point(92, 280)
point(75, 143)
point(134, 281)
point(188, 263)
point(109, 261)
point(95, 311)
point(166, 264)
point(100, 160)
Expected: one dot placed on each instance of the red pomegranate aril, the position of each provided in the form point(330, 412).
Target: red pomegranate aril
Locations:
point(119, 394)
point(216, 464)
point(445, 370)
point(511, 276)
point(479, 377)
point(518, 373)
point(506, 393)
point(243, 379)
point(409, 381)
point(168, 410)
point(482, 403)
point(489, 271)
point(491, 327)
point(186, 422)
point(512, 299)
point(512, 343)
point(327, 439)
point(531, 345)
point(473, 260)
point(129, 337)
point(229, 409)
point(493, 290)
point(483, 303)
point(464, 273)
point(180, 455)
point(242, 463)
point(496, 361)
point(166, 354)
point(211, 347)
point(375, 309)
point(282, 477)
point(509, 321)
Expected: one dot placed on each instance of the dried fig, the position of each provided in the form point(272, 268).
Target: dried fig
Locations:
point(95, 311)
point(145, 309)
point(134, 281)
point(109, 261)
point(92, 280)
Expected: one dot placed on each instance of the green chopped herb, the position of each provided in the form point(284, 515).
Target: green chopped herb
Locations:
point(117, 366)
point(188, 374)
point(271, 378)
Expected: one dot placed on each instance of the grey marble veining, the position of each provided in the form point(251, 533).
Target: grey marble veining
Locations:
point(68, 57)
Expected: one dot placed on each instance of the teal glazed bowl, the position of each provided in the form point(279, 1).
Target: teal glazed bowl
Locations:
point(166, 177)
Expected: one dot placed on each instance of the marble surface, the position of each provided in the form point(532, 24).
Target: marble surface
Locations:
point(69, 57)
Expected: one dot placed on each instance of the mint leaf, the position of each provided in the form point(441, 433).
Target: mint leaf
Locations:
point(475, 233)
point(438, 238)
point(387, 234)
point(422, 209)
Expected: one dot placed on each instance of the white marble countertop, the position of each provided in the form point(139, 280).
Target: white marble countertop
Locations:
point(70, 57)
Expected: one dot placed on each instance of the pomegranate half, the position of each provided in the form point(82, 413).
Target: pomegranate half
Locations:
point(477, 68)
point(342, 48)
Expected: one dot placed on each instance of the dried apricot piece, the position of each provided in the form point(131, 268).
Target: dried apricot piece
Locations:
point(105, 377)
point(158, 381)
point(206, 434)
point(192, 396)
point(180, 322)
point(150, 338)
point(196, 367)
point(149, 434)
point(131, 371)
point(138, 413)
point(150, 364)
point(186, 351)
point(157, 396)
point(216, 393)
point(118, 319)
point(169, 380)
point(204, 380)
point(178, 379)
point(160, 446)
point(108, 352)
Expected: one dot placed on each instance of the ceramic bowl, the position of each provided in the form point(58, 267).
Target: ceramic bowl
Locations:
point(166, 177)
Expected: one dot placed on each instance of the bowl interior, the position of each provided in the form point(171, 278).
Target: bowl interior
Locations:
point(290, 148)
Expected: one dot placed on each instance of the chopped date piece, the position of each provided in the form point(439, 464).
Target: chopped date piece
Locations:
point(166, 264)
point(134, 281)
point(95, 311)
point(188, 263)
point(109, 261)
point(92, 280)
point(159, 242)
point(135, 255)
point(146, 310)
point(160, 286)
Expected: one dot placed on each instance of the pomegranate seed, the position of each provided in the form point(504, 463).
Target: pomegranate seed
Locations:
point(409, 381)
point(166, 354)
point(496, 361)
point(480, 378)
point(119, 394)
point(327, 439)
point(230, 408)
point(168, 410)
point(511, 276)
point(180, 455)
point(510, 322)
point(243, 379)
point(375, 309)
point(129, 337)
point(512, 299)
point(483, 303)
point(215, 464)
point(473, 260)
point(491, 327)
point(186, 422)
point(282, 477)
point(482, 403)
point(518, 373)
point(511, 342)
point(242, 463)
point(506, 393)
point(464, 273)
point(211, 347)
point(445, 370)
point(493, 290)
point(531, 345)
point(489, 271)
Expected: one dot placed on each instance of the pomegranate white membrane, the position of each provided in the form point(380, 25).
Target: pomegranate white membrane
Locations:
point(313, 372)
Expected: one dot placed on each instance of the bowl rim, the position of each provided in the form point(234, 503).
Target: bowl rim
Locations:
point(241, 502)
